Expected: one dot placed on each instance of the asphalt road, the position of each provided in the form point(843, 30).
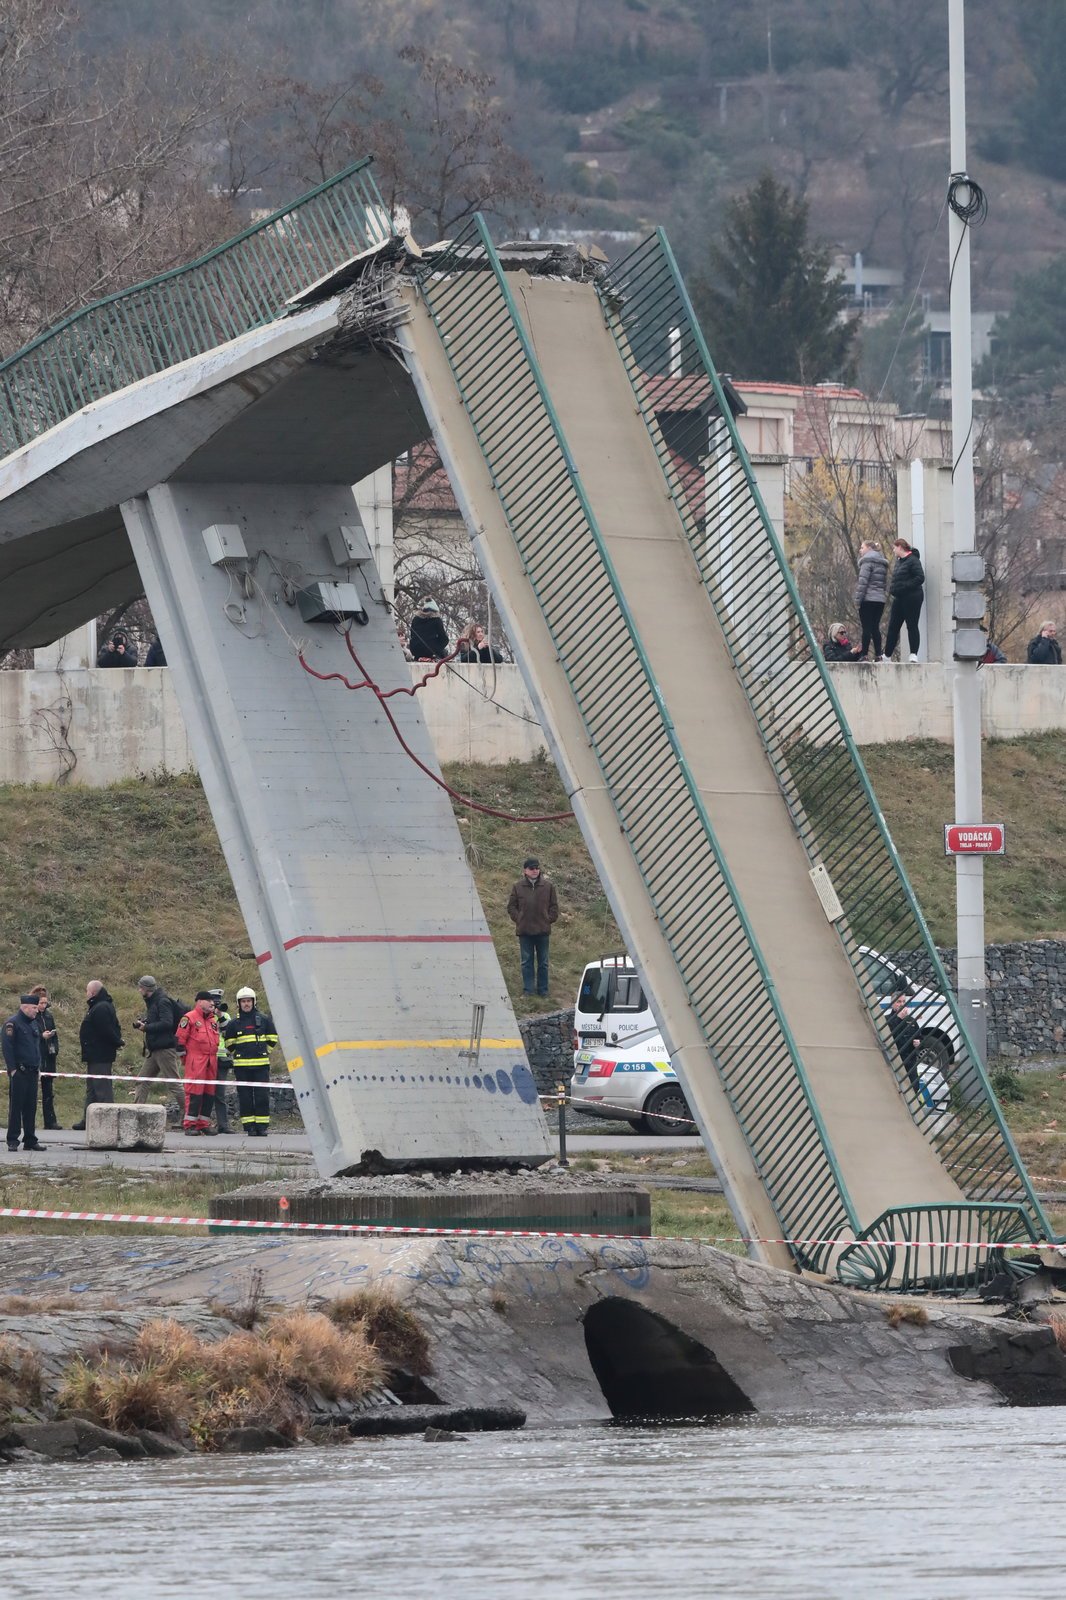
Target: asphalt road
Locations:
point(275, 1155)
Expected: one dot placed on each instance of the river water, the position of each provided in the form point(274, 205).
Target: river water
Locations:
point(956, 1506)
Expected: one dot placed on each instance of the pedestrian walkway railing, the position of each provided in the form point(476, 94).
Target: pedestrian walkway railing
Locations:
point(190, 310)
point(815, 760)
point(939, 1248)
point(661, 817)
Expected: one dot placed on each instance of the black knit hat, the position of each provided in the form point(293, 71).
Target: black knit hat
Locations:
point(531, 861)
point(204, 994)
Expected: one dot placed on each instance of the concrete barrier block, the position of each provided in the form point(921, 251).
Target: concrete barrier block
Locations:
point(118, 1127)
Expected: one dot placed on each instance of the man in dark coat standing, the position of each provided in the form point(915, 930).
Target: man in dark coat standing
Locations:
point(907, 589)
point(46, 1024)
point(428, 639)
point(22, 1057)
point(905, 1035)
point(533, 908)
point(1045, 650)
point(100, 1037)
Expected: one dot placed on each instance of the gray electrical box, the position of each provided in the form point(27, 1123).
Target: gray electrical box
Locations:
point(970, 644)
point(968, 605)
point(967, 567)
point(348, 544)
point(224, 542)
point(330, 602)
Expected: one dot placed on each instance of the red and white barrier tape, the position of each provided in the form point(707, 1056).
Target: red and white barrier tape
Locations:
point(627, 1112)
point(161, 1082)
point(257, 1225)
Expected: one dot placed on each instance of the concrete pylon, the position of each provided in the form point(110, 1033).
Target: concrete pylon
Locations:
point(347, 860)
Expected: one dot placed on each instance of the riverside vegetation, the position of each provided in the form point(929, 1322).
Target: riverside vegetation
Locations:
point(273, 1373)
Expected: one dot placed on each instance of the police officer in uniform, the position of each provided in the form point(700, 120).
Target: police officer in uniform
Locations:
point(22, 1056)
point(225, 1061)
point(250, 1036)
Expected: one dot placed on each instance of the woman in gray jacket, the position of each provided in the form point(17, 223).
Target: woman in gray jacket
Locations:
point(871, 592)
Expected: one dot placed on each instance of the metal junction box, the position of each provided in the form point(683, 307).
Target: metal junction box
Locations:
point(330, 602)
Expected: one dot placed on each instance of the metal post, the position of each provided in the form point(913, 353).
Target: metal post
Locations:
point(969, 870)
point(560, 1089)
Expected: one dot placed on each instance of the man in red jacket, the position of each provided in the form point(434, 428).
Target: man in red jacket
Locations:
point(198, 1037)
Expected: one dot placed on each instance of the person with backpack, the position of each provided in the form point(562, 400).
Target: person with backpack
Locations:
point(907, 589)
point(250, 1037)
point(160, 1028)
point(1044, 650)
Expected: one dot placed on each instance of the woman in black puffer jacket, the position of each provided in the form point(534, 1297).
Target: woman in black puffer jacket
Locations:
point(907, 590)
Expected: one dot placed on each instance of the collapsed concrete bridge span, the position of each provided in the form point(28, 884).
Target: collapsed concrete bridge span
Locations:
point(593, 451)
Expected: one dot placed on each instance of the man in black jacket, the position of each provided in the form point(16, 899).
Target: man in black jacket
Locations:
point(22, 1056)
point(100, 1038)
point(428, 639)
point(1045, 650)
point(159, 1025)
point(46, 1024)
point(117, 652)
point(905, 1034)
point(907, 590)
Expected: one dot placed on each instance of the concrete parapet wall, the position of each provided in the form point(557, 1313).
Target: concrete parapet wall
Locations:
point(102, 725)
point(887, 704)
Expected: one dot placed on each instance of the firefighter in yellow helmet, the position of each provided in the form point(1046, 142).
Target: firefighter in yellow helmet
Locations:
point(250, 1036)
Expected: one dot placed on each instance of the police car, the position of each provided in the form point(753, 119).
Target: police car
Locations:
point(631, 1082)
point(621, 1066)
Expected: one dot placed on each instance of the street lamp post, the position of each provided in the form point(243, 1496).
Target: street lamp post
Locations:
point(967, 568)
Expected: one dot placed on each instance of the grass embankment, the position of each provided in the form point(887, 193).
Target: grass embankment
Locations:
point(111, 883)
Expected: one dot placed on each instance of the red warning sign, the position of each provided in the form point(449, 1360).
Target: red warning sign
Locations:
point(974, 839)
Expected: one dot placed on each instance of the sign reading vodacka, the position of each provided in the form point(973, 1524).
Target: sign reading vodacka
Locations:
point(975, 839)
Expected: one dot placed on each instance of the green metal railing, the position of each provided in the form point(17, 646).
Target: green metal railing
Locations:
point(939, 1248)
point(777, 660)
point(186, 312)
point(657, 804)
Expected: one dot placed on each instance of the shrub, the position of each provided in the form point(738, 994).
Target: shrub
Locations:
point(396, 1335)
point(906, 1311)
point(173, 1382)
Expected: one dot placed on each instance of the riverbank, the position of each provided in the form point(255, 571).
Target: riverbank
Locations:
point(232, 1334)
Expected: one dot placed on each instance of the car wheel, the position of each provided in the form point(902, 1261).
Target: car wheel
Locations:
point(667, 1103)
point(935, 1051)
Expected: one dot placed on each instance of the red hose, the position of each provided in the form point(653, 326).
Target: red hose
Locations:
point(383, 695)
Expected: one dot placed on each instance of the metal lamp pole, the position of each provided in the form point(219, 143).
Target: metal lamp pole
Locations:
point(969, 639)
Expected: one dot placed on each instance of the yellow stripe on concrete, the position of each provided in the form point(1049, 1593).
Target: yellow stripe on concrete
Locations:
point(405, 1044)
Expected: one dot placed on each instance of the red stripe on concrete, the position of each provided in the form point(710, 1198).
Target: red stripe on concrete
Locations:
point(380, 938)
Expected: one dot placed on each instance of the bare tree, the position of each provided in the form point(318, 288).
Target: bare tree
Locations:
point(442, 153)
point(104, 166)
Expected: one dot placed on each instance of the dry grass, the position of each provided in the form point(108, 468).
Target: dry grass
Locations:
point(43, 1305)
point(175, 1383)
point(1057, 1323)
point(390, 1329)
point(20, 1377)
point(905, 1311)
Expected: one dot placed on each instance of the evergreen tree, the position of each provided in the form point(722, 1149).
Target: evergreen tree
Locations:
point(1041, 107)
point(1030, 352)
point(769, 308)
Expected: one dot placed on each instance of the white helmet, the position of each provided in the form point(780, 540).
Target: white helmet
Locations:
point(246, 993)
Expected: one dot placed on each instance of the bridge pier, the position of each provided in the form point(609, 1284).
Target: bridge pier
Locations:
point(347, 861)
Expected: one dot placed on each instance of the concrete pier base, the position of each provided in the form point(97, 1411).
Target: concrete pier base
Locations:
point(463, 1202)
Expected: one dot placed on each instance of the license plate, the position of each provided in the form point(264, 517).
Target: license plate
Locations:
point(593, 1038)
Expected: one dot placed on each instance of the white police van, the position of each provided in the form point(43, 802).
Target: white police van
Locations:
point(622, 1069)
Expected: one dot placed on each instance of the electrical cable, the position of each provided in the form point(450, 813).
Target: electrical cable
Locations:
point(383, 696)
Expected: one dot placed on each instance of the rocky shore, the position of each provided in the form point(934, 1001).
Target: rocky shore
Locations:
point(335, 1336)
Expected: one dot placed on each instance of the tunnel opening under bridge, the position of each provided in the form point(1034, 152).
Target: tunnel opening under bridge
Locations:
point(647, 1367)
